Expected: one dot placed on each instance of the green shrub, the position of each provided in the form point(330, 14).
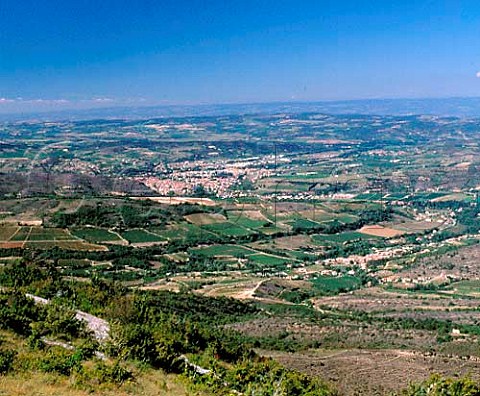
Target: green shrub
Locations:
point(438, 386)
point(264, 377)
point(61, 322)
point(17, 312)
point(20, 274)
point(87, 349)
point(134, 342)
point(34, 341)
point(103, 373)
point(61, 362)
point(7, 358)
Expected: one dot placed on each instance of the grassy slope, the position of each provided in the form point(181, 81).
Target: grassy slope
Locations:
point(152, 383)
point(24, 382)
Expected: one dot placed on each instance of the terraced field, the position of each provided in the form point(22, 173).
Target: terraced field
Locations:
point(205, 218)
point(229, 229)
point(342, 237)
point(142, 236)
point(42, 238)
point(224, 250)
point(326, 284)
point(6, 233)
point(96, 235)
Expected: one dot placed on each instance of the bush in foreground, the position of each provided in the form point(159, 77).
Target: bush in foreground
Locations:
point(438, 386)
point(7, 358)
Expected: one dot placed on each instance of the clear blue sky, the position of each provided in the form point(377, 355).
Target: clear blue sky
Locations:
point(86, 53)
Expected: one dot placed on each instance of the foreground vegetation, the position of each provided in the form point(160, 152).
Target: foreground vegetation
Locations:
point(175, 343)
point(149, 331)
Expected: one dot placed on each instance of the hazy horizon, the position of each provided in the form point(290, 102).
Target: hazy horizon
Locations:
point(83, 54)
point(463, 107)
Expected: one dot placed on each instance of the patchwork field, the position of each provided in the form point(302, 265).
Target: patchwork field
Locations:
point(205, 218)
point(43, 238)
point(6, 233)
point(228, 229)
point(328, 285)
point(97, 235)
point(139, 236)
point(224, 250)
point(344, 237)
point(380, 231)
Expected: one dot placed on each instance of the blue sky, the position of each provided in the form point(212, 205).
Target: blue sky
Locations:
point(85, 53)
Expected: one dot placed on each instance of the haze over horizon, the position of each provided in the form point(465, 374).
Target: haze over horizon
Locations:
point(60, 55)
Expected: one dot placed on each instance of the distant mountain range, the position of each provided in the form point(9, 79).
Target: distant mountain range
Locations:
point(457, 107)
